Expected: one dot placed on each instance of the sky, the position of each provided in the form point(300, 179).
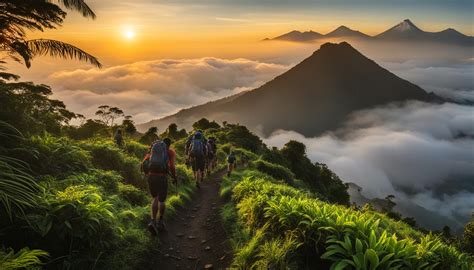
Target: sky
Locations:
point(139, 42)
point(148, 29)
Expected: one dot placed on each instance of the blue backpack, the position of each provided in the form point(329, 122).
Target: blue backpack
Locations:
point(231, 158)
point(197, 148)
point(159, 158)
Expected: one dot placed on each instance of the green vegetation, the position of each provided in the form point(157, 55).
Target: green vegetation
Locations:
point(277, 226)
point(274, 170)
point(70, 198)
point(83, 203)
point(75, 200)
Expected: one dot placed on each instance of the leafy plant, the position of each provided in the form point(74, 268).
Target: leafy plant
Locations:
point(133, 195)
point(17, 187)
point(274, 170)
point(25, 258)
point(105, 155)
point(322, 232)
point(58, 156)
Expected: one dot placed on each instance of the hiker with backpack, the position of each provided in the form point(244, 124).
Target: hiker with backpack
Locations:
point(158, 163)
point(118, 138)
point(197, 156)
point(187, 148)
point(230, 163)
point(211, 154)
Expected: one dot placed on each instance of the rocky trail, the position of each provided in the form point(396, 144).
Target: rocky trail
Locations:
point(195, 237)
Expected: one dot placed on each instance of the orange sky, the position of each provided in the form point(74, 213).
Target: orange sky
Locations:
point(184, 29)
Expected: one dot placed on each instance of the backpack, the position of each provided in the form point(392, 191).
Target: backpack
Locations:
point(158, 162)
point(145, 167)
point(188, 144)
point(231, 159)
point(213, 145)
point(210, 150)
point(197, 148)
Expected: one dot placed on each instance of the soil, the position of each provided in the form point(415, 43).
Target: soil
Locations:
point(195, 237)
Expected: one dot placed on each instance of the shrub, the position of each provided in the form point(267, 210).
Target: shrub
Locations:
point(108, 180)
point(136, 149)
point(322, 233)
point(184, 174)
point(75, 224)
point(276, 171)
point(56, 156)
point(133, 195)
point(468, 236)
point(106, 156)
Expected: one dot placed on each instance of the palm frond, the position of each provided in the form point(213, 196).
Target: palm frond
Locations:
point(60, 49)
point(79, 5)
point(9, 76)
point(18, 189)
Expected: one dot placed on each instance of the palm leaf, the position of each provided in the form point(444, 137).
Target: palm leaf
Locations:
point(18, 189)
point(79, 5)
point(60, 49)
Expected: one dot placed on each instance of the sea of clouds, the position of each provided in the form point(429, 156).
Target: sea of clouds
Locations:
point(152, 89)
point(409, 150)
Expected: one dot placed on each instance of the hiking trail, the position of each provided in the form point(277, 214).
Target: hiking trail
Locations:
point(195, 237)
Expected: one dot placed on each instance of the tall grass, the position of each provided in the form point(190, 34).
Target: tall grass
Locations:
point(316, 233)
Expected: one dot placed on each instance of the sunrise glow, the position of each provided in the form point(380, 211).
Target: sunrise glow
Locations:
point(129, 34)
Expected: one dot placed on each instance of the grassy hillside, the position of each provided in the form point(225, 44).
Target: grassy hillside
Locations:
point(281, 227)
point(71, 199)
point(89, 206)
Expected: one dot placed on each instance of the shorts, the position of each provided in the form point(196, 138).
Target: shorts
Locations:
point(199, 164)
point(158, 185)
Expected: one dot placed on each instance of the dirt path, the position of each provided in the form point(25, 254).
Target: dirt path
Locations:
point(195, 236)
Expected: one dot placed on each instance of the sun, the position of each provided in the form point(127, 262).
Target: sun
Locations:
point(129, 34)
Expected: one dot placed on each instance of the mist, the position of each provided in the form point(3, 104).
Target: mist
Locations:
point(415, 151)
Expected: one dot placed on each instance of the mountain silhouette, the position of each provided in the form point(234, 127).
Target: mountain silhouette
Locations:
point(408, 31)
point(344, 31)
point(405, 31)
point(315, 96)
point(299, 36)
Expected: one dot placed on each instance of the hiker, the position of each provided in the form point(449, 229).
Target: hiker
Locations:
point(157, 164)
point(197, 155)
point(230, 163)
point(187, 147)
point(118, 138)
point(212, 153)
point(244, 160)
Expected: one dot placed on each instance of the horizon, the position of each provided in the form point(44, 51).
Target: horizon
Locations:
point(127, 33)
point(143, 30)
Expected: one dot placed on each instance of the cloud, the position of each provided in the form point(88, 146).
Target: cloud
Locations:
point(235, 20)
point(152, 89)
point(410, 150)
point(451, 80)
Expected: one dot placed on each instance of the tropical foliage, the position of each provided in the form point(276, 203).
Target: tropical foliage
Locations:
point(20, 16)
point(288, 228)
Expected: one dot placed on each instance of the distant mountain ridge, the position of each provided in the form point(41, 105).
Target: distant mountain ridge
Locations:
point(315, 96)
point(404, 31)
